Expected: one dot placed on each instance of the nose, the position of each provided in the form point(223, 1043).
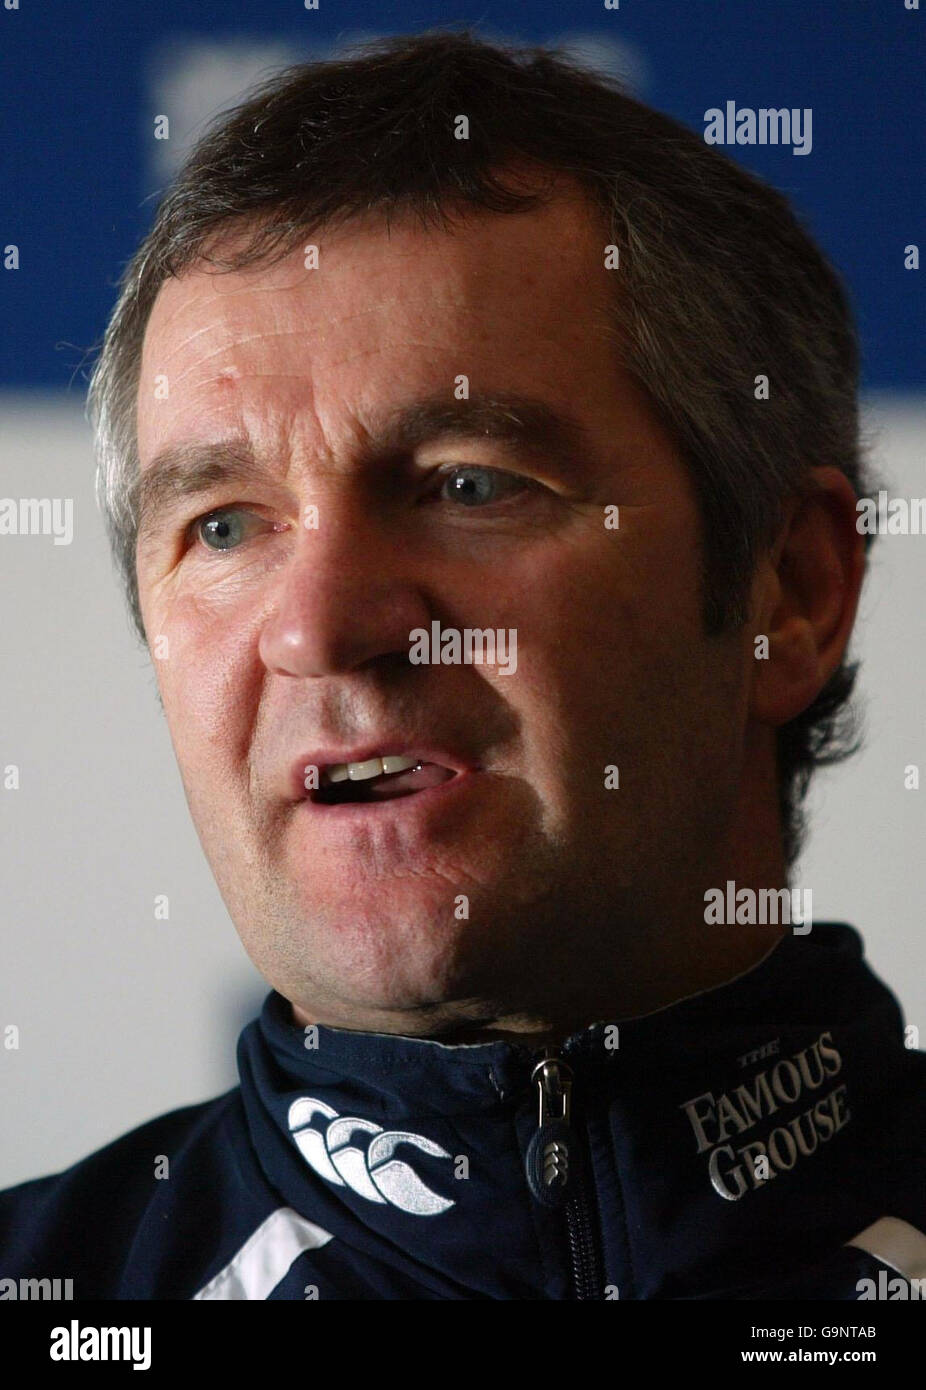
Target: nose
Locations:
point(345, 597)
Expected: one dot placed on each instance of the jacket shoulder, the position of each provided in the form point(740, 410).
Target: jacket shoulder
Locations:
point(83, 1218)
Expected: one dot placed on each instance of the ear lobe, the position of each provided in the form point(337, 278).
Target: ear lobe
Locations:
point(788, 679)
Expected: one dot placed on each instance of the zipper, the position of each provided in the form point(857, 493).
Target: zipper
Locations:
point(557, 1173)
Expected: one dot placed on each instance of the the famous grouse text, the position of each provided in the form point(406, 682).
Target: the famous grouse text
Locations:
point(721, 1122)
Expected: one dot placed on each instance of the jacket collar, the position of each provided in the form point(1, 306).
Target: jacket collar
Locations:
point(800, 978)
point(370, 1135)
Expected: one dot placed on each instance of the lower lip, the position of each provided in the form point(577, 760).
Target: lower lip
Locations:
point(404, 807)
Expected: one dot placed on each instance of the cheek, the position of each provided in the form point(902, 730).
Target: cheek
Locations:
point(602, 617)
point(209, 684)
point(610, 658)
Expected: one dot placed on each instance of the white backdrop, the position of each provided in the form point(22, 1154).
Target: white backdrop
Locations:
point(122, 1017)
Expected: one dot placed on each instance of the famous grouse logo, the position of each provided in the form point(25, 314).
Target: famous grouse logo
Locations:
point(763, 1109)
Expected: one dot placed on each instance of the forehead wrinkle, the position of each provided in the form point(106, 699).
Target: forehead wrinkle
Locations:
point(185, 342)
point(383, 305)
point(255, 287)
point(184, 303)
point(238, 342)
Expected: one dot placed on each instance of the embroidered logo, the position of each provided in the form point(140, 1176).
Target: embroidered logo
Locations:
point(720, 1120)
point(374, 1173)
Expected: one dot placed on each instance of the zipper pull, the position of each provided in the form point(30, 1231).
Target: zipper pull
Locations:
point(549, 1154)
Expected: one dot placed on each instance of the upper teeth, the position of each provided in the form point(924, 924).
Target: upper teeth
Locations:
point(372, 767)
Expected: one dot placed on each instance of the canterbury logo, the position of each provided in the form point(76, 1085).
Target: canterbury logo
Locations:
point(555, 1165)
point(375, 1174)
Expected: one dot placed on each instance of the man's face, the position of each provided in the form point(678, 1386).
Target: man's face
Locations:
point(288, 631)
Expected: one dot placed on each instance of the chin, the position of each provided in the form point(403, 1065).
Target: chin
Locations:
point(365, 960)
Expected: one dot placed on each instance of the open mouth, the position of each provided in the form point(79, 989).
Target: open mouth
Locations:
point(378, 779)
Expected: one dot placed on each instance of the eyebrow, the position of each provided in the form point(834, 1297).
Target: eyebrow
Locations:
point(524, 424)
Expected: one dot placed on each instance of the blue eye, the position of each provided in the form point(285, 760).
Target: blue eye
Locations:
point(225, 529)
point(475, 487)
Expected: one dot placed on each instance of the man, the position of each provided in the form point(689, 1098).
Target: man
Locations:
point(480, 452)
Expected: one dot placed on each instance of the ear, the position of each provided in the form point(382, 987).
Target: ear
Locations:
point(805, 597)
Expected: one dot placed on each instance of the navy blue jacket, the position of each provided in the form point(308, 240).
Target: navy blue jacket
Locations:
point(761, 1139)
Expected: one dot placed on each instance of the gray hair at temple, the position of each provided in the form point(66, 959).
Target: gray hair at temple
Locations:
point(717, 281)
